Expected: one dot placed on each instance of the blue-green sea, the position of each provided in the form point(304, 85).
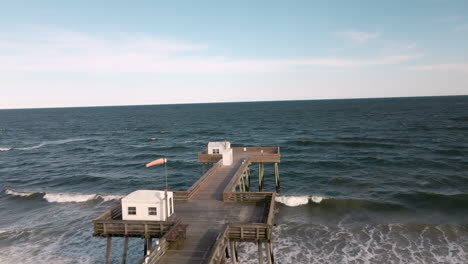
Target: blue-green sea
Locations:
point(362, 180)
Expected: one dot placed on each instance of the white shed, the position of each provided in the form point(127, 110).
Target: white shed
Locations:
point(218, 147)
point(223, 148)
point(147, 205)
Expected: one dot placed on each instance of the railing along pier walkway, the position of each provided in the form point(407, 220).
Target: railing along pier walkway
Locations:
point(211, 218)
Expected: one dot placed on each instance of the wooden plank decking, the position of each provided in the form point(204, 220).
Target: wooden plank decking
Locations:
point(212, 211)
point(207, 216)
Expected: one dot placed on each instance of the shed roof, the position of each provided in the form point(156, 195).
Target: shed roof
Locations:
point(219, 144)
point(145, 196)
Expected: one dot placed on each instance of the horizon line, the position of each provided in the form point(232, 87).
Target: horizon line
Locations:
point(231, 102)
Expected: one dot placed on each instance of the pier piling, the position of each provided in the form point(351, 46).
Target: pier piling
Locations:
point(108, 249)
point(125, 248)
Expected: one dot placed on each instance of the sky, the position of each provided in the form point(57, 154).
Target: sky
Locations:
point(99, 53)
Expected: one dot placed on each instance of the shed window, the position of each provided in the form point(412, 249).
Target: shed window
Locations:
point(215, 151)
point(152, 211)
point(131, 210)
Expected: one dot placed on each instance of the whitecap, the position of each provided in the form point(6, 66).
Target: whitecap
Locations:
point(21, 194)
point(54, 142)
point(33, 147)
point(78, 198)
point(293, 201)
point(5, 149)
point(68, 198)
point(107, 198)
point(317, 199)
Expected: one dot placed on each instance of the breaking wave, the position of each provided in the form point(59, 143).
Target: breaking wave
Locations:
point(338, 204)
point(5, 149)
point(293, 201)
point(63, 197)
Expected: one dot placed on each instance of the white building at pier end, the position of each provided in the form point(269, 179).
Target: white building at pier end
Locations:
point(147, 205)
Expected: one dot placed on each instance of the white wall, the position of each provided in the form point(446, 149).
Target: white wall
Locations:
point(142, 209)
point(227, 157)
point(222, 146)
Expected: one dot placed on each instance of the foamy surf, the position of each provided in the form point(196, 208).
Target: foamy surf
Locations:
point(20, 194)
point(293, 201)
point(65, 197)
point(55, 142)
point(5, 149)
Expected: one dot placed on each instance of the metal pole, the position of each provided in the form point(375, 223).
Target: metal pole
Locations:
point(165, 191)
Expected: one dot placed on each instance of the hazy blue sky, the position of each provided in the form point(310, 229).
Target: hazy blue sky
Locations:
point(84, 53)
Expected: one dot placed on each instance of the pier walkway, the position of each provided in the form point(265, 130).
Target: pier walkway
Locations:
point(213, 215)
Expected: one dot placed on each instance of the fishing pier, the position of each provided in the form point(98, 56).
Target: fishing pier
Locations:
point(211, 218)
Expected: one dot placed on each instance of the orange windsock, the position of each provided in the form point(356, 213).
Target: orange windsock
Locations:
point(156, 162)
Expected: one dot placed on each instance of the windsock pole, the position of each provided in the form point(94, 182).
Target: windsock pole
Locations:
point(159, 162)
point(165, 191)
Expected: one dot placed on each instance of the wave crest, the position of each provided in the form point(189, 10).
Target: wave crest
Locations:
point(5, 149)
point(55, 142)
point(293, 201)
point(20, 194)
point(64, 197)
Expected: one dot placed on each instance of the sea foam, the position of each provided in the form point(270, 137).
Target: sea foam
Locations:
point(65, 197)
point(293, 201)
point(5, 149)
point(21, 194)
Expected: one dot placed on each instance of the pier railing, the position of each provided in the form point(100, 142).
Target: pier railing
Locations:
point(256, 155)
point(218, 250)
point(204, 157)
point(245, 196)
point(239, 233)
point(110, 223)
point(174, 235)
point(187, 195)
point(262, 154)
point(249, 232)
point(231, 187)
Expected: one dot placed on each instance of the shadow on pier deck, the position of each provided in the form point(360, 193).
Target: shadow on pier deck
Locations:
point(212, 216)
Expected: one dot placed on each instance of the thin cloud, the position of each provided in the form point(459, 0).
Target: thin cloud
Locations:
point(454, 66)
point(76, 52)
point(360, 36)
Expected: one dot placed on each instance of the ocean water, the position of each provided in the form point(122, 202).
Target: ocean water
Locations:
point(362, 181)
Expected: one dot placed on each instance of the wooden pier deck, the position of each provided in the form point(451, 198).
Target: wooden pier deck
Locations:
point(216, 213)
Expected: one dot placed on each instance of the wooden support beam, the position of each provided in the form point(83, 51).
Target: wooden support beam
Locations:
point(241, 183)
point(150, 245)
point(124, 256)
point(236, 247)
point(268, 253)
point(272, 254)
point(260, 253)
point(227, 252)
point(145, 247)
point(248, 179)
point(277, 179)
point(261, 173)
point(233, 253)
point(108, 250)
